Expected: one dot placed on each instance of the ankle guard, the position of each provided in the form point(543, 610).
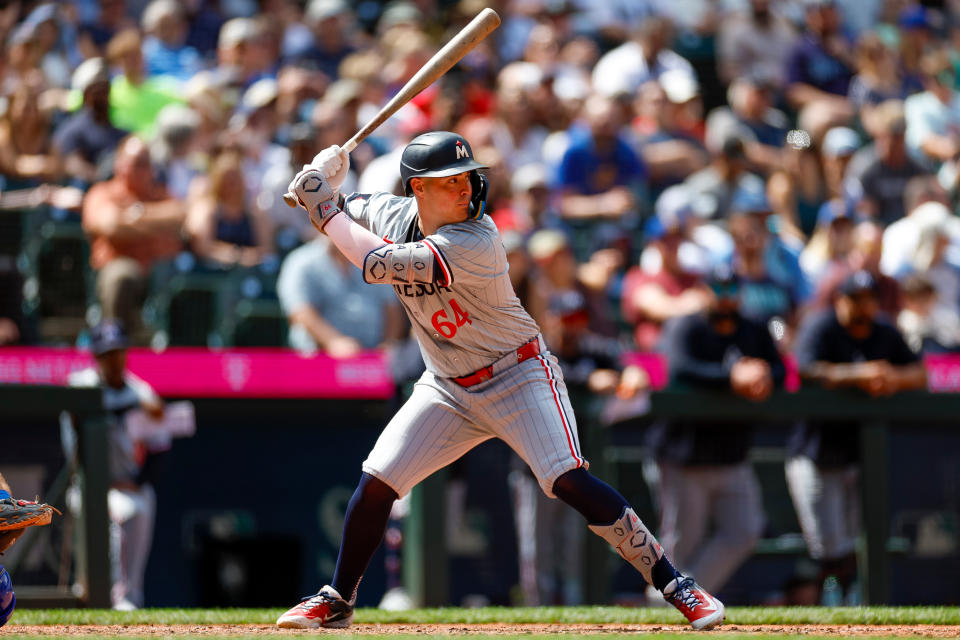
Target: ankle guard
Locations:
point(633, 541)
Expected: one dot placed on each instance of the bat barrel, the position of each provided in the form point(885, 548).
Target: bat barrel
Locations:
point(478, 29)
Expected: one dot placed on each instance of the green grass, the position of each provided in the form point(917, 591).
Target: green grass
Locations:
point(588, 615)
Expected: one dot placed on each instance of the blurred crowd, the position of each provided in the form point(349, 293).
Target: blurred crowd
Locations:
point(633, 146)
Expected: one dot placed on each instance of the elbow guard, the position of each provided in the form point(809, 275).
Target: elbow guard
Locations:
point(406, 263)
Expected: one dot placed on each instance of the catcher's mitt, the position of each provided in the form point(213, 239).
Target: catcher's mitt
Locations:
point(16, 515)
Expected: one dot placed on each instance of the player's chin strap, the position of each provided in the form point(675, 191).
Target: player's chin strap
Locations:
point(478, 203)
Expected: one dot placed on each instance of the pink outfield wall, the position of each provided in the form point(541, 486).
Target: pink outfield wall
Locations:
point(281, 373)
point(202, 373)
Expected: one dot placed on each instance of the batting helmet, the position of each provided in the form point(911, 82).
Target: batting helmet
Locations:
point(8, 600)
point(442, 153)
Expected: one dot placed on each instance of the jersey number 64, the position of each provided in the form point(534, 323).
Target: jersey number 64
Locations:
point(442, 323)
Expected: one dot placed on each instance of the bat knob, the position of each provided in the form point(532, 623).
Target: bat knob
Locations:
point(290, 199)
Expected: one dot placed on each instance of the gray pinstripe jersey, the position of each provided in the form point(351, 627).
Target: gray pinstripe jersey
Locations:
point(473, 317)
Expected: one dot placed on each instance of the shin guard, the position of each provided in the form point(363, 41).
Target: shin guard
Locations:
point(633, 541)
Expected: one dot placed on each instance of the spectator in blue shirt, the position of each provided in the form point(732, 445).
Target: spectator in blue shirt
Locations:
point(87, 137)
point(772, 284)
point(165, 51)
point(820, 69)
point(600, 175)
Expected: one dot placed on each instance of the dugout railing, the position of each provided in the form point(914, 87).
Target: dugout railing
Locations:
point(427, 576)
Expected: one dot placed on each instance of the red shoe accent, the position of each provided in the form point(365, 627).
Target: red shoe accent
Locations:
point(700, 608)
point(326, 609)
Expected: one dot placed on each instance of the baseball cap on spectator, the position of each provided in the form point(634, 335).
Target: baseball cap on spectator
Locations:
point(750, 199)
point(512, 241)
point(571, 86)
point(558, 7)
point(888, 117)
point(319, 10)
point(679, 85)
point(398, 13)
point(259, 95)
point(90, 72)
point(840, 141)
point(672, 210)
point(817, 4)
point(914, 17)
point(108, 336)
point(521, 75)
point(528, 177)
point(860, 281)
point(758, 79)
point(343, 92)
point(23, 32)
point(204, 93)
point(42, 13)
point(175, 121)
point(158, 11)
point(545, 243)
point(237, 31)
point(723, 281)
point(836, 209)
point(302, 132)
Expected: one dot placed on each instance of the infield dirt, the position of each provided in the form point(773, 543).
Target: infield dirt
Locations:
point(929, 631)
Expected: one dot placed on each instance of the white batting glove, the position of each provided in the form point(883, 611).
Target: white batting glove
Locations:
point(334, 163)
point(315, 195)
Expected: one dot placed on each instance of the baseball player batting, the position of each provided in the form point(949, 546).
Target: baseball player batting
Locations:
point(489, 373)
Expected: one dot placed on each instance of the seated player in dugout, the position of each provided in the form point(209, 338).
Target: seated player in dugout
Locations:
point(488, 373)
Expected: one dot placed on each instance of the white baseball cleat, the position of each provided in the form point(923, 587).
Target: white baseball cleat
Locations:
point(326, 609)
point(700, 608)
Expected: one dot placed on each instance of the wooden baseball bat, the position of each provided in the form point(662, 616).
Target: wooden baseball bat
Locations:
point(451, 53)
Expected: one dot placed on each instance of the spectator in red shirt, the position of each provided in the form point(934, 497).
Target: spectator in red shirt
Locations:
point(649, 297)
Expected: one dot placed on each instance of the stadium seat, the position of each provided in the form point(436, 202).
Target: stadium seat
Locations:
point(58, 279)
point(189, 308)
point(254, 323)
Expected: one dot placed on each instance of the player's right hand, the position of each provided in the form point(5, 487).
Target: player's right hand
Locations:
point(334, 163)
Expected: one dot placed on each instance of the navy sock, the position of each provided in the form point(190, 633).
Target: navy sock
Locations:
point(601, 504)
point(4, 495)
point(363, 529)
point(663, 573)
point(596, 501)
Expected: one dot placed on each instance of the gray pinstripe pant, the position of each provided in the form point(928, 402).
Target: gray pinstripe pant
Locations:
point(711, 518)
point(827, 502)
point(526, 405)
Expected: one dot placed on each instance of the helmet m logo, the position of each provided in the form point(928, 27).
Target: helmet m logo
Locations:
point(462, 151)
